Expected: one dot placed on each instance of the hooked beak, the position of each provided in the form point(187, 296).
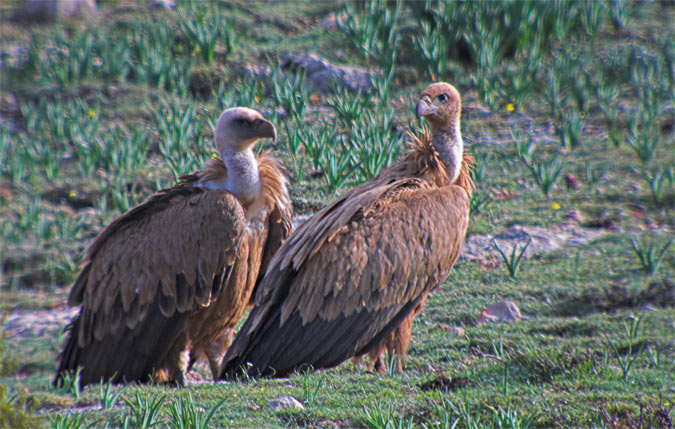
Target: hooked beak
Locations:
point(424, 107)
point(266, 129)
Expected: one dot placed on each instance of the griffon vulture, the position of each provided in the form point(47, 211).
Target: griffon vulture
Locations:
point(398, 341)
point(167, 280)
point(353, 272)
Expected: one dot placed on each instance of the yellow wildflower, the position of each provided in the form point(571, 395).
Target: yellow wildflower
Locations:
point(214, 155)
point(169, 117)
point(92, 112)
point(72, 194)
point(555, 206)
point(510, 107)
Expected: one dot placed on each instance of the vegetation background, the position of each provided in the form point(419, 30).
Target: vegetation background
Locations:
point(568, 109)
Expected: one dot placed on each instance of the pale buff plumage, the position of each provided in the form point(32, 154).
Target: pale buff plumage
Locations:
point(170, 279)
point(353, 272)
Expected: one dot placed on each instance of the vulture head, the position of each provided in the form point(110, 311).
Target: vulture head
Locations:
point(441, 105)
point(238, 128)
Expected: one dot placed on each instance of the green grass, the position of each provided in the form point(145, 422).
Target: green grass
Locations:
point(584, 88)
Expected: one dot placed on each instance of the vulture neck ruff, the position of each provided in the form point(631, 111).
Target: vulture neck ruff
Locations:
point(450, 147)
point(243, 177)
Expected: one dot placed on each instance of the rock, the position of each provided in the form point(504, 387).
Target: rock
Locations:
point(163, 4)
point(480, 248)
point(456, 331)
point(427, 369)
point(284, 403)
point(648, 308)
point(322, 74)
point(56, 10)
point(505, 311)
point(256, 71)
point(573, 215)
point(333, 21)
point(445, 383)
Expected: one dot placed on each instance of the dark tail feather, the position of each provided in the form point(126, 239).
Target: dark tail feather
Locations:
point(130, 355)
point(69, 358)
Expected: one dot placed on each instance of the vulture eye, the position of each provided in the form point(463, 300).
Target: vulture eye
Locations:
point(443, 98)
point(242, 122)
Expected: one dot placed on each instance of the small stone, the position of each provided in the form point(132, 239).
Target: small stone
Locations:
point(323, 74)
point(284, 403)
point(573, 215)
point(456, 331)
point(505, 311)
point(163, 4)
point(333, 21)
point(54, 10)
point(648, 308)
point(427, 369)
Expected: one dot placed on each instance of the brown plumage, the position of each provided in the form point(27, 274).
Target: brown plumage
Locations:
point(169, 279)
point(397, 343)
point(353, 272)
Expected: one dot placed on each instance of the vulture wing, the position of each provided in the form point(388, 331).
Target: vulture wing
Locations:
point(143, 276)
point(280, 224)
point(349, 275)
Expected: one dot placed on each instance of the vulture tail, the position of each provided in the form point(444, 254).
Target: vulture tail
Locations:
point(277, 351)
point(130, 355)
point(70, 355)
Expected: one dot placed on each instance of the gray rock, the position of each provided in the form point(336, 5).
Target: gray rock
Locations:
point(322, 74)
point(427, 369)
point(163, 4)
point(648, 308)
point(456, 331)
point(55, 10)
point(479, 247)
point(333, 21)
point(284, 403)
point(505, 311)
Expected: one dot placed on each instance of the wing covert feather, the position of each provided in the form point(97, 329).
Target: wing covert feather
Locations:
point(348, 277)
point(151, 250)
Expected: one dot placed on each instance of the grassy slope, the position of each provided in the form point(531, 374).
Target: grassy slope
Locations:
point(557, 365)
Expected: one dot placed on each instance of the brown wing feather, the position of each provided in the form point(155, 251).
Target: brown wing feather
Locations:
point(144, 275)
point(163, 241)
point(317, 307)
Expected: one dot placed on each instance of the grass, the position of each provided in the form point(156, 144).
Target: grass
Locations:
point(97, 117)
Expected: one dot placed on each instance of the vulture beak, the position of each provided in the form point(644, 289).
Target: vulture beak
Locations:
point(266, 129)
point(424, 107)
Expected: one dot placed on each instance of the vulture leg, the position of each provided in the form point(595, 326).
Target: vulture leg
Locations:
point(216, 350)
point(173, 368)
point(376, 357)
point(396, 344)
point(356, 362)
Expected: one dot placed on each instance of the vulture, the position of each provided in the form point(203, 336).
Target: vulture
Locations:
point(352, 273)
point(398, 341)
point(169, 280)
